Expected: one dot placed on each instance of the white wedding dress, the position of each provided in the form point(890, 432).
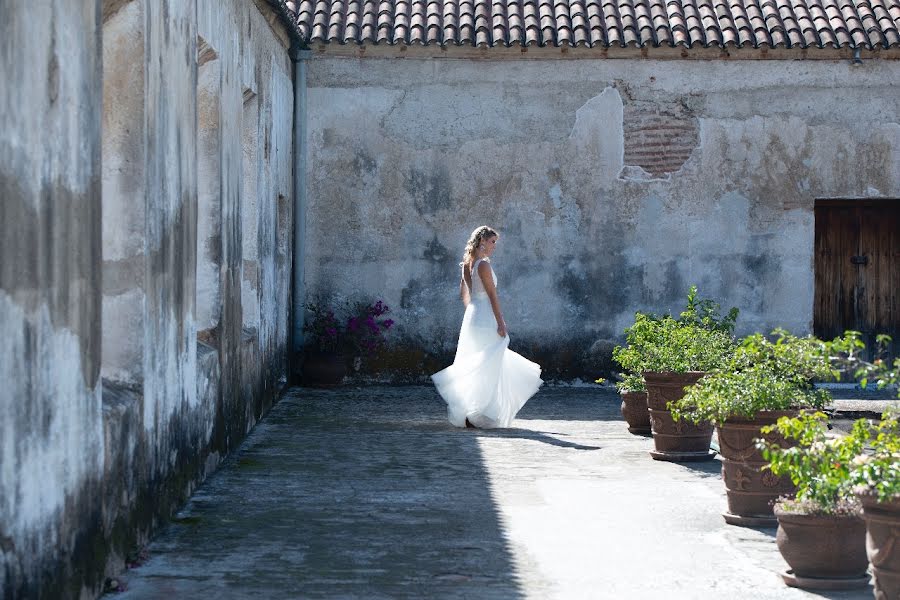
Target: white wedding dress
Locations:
point(487, 383)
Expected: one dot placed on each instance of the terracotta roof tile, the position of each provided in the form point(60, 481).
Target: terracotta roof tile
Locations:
point(602, 23)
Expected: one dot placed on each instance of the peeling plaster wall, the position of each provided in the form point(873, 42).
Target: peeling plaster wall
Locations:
point(125, 383)
point(616, 184)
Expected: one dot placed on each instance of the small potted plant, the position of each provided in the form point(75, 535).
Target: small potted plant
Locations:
point(673, 354)
point(821, 533)
point(634, 403)
point(334, 340)
point(631, 386)
point(763, 381)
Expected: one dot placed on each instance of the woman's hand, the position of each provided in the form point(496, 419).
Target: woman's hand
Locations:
point(501, 329)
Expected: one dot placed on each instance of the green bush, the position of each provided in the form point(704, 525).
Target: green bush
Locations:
point(761, 374)
point(877, 472)
point(820, 466)
point(846, 353)
point(668, 344)
point(699, 339)
point(631, 382)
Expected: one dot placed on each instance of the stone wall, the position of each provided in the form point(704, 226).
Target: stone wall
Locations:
point(146, 214)
point(615, 184)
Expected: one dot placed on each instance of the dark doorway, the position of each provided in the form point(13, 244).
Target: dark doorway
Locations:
point(857, 265)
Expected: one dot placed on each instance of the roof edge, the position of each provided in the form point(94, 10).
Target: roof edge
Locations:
point(611, 53)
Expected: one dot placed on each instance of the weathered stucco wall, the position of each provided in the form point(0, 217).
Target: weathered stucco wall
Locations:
point(51, 434)
point(130, 371)
point(616, 184)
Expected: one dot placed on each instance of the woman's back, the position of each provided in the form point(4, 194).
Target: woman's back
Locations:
point(473, 279)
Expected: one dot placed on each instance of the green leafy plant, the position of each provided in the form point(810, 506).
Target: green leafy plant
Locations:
point(706, 313)
point(698, 340)
point(847, 355)
point(668, 344)
point(819, 465)
point(762, 374)
point(630, 382)
point(877, 471)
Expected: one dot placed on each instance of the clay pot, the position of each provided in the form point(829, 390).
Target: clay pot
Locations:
point(823, 551)
point(883, 544)
point(675, 441)
point(751, 490)
point(323, 369)
point(634, 410)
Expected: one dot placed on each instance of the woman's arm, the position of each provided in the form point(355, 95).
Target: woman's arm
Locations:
point(463, 290)
point(484, 271)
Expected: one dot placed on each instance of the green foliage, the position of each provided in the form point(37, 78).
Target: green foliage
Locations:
point(631, 382)
point(761, 374)
point(698, 340)
point(705, 313)
point(799, 359)
point(668, 344)
point(846, 353)
point(819, 465)
point(877, 472)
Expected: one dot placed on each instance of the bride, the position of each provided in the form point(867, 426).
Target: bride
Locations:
point(487, 383)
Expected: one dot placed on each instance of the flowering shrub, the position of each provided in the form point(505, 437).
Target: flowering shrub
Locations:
point(820, 466)
point(877, 472)
point(361, 329)
point(367, 326)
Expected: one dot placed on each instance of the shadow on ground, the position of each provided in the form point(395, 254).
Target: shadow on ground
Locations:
point(349, 494)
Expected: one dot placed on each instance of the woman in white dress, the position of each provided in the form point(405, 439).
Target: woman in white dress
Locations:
point(487, 383)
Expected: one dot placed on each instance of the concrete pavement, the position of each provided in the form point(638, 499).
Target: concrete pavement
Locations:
point(369, 493)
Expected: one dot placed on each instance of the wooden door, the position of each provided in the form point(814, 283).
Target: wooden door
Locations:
point(857, 269)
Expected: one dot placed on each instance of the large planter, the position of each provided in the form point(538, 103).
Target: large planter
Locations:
point(676, 441)
point(751, 490)
point(883, 545)
point(634, 410)
point(826, 552)
point(324, 369)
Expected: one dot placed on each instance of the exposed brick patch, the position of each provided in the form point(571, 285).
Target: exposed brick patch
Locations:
point(658, 139)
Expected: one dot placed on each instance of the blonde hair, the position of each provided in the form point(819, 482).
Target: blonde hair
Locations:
point(478, 236)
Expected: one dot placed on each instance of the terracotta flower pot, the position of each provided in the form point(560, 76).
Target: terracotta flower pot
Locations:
point(675, 441)
point(751, 490)
point(323, 369)
point(823, 551)
point(634, 410)
point(883, 544)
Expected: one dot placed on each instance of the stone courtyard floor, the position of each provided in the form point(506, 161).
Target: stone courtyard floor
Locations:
point(369, 493)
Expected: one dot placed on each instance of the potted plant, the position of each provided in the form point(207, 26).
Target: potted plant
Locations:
point(631, 386)
point(672, 354)
point(875, 476)
point(634, 403)
point(821, 534)
point(333, 340)
point(763, 381)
